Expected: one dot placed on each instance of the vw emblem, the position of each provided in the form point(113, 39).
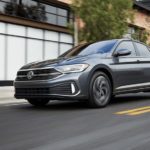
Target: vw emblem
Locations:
point(30, 75)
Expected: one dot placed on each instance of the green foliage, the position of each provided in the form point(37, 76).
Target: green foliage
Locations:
point(103, 19)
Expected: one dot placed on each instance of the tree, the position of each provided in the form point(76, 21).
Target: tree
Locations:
point(102, 19)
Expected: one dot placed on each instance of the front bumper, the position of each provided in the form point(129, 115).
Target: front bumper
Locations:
point(66, 87)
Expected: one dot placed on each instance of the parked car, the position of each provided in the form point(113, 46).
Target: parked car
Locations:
point(94, 72)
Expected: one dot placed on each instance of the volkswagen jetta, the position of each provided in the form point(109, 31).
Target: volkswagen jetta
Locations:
point(93, 72)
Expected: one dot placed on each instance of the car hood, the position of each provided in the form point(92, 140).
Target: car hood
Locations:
point(59, 62)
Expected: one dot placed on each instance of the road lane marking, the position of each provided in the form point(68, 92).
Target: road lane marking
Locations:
point(132, 110)
point(139, 113)
point(136, 111)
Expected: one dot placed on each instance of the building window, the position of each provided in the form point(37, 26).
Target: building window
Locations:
point(37, 11)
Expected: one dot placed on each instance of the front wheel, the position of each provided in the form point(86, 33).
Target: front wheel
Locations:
point(38, 102)
point(100, 90)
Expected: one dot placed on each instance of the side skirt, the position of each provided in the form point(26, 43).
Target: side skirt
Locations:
point(132, 90)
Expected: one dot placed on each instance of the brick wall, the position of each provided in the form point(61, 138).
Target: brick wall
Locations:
point(142, 19)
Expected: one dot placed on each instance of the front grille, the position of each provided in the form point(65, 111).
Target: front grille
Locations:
point(32, 91)
point(61, 89)
point(38, 74)
point(38, 71)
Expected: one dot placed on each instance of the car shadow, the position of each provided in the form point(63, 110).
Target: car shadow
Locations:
point(130, 98)
point(59, 106)
point(76, 105)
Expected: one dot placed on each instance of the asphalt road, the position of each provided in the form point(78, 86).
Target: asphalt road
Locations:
point(123, 125)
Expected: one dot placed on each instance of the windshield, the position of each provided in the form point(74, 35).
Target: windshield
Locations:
point(88, 49)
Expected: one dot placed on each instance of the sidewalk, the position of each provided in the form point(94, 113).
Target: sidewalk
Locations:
point(6, 92)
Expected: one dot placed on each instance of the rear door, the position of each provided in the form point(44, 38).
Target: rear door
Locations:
point(144, 62)
point(126, 69)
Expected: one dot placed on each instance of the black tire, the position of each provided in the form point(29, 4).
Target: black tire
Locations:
point(38, 102)
point(100, 90)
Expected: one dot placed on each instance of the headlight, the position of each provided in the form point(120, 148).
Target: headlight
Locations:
point(72, 68)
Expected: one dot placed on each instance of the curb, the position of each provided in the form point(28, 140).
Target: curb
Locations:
point(6, 93)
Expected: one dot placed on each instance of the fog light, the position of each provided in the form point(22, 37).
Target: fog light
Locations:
point(73, 90)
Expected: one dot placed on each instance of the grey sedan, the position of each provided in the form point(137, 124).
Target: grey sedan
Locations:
point(93, 72)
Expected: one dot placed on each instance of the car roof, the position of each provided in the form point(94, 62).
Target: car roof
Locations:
point(130, 39)
point(117, 40)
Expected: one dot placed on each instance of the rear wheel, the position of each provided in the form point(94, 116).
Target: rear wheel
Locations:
point(38, 102)
point(100, 90)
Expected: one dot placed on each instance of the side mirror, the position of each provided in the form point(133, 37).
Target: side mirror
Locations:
point(122, 52)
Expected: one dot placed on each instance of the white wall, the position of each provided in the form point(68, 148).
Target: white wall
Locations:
point(51, 50)
point(2, 57)
point(34, 50)
point(15, 56)
point(2, 51)
point(20, 45)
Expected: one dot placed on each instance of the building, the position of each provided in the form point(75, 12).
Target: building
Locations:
point(141, 17)
point(32, 30)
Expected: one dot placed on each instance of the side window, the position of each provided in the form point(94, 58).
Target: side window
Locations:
point(127, 45)
point(143, 50)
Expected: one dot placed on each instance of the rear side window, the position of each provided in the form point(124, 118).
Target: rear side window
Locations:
point(143, 50)
point(127, 45)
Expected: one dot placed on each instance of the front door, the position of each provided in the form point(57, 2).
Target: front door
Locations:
point(127, 72)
